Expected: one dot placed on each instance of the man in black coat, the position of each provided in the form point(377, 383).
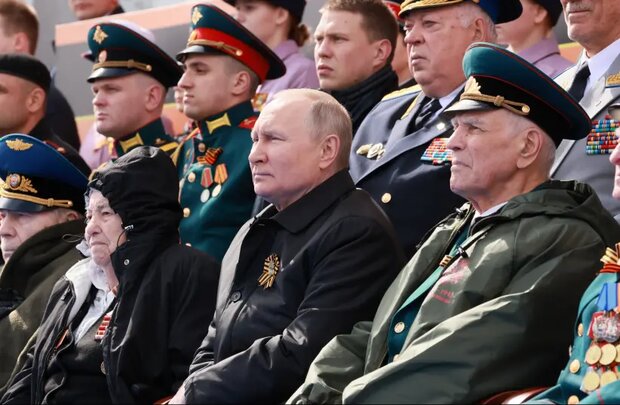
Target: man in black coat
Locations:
point(305, 269)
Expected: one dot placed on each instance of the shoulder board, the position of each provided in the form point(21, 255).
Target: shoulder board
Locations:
point(407, 90)
point(248, 123)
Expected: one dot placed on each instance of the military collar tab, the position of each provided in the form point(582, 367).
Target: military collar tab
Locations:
point(152, 134)
point(233, 117)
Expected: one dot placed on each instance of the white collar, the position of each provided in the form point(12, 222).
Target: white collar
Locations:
point(490, 211)
point(600, 63)
point(446, 100)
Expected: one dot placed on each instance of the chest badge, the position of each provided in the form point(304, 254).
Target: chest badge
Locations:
point(602, 137)
point(271, 267)
point(437, 152)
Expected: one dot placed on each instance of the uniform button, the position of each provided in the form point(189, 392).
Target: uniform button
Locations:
point(126, 262)
point(202, 147)
point(186, 212)
point(573, 399)
point(574, 366)
point(188, 244)
point(386, 198)
point(191, 177)
point(235, 296)
point(399, 327)
point(580, 329)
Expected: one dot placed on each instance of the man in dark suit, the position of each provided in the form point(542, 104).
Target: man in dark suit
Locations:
point(398, 153)
point(595, 82)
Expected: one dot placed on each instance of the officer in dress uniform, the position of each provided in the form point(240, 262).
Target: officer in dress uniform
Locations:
point(224, 64)
point(398, 153)
point(41, 222)
point(130, 77)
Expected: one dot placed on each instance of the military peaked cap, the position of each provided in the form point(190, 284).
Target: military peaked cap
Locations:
point(500, 11)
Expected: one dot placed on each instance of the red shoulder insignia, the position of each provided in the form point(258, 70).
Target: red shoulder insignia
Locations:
point(54, 145)
point(248, 123)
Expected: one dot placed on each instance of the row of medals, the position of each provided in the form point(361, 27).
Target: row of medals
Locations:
point(603, 355)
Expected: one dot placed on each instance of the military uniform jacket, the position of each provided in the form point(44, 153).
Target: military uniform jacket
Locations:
point(163, 308)
point(571, 379)
point(31, 273)
point(572, 162)
point(337, 253)
point(152, 134)
point(415, 194)
point(217, 193)
point(498, 318)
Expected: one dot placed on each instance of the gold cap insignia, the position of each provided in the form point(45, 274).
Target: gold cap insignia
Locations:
point(271, 267)
point(196, 16)
point(472, 86)
point(99, 36)
point(17, 182)
point(103, 56)
point(18, 145)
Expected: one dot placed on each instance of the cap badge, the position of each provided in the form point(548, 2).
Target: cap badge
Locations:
point(99, 36)
point(16, 182)
point(271, 267)
point(18, 145)
point(472, 86)
point(196, 16)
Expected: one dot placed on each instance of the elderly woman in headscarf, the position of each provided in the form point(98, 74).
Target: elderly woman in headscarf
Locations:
point(122, 325)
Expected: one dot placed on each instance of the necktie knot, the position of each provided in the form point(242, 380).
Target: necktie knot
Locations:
point(426, 112)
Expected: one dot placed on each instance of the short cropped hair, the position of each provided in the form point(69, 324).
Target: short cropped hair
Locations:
point(377, 20)
point(233, 66)
point(20, 17)
point(325, 116)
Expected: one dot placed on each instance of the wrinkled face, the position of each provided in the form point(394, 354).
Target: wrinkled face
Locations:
point(207, 85)
point(17, 227)
point(14, 95)
point(614, 158)
point(104, 229)
point(436, 42)
point(516, 31)
point(485, 154)
point(118, 104)
point(285, 156)
point(85, 9)
point(258, 17)
point(592, 23)
point(342, 50)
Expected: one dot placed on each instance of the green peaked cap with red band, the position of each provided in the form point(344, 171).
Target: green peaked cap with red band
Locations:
point(213, 31)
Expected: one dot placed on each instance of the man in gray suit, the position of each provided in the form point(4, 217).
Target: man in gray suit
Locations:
point(595, 82)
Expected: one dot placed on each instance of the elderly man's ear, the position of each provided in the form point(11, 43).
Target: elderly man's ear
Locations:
point(530, 147)
point(330, 147)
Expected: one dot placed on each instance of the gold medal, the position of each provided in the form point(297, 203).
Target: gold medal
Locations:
point(608, 377)
point(573, 399)
point(617, 353)
point(574, 366)
point(591, 381)
point(216, 190)
point(608, 354)
point(271, 267)
point(593, 355)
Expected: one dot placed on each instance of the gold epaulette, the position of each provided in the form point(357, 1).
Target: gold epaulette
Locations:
point(407, 90)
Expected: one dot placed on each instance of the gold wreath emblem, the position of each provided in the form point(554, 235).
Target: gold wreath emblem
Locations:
point(18, 145)
point(271, 267)
point(17, 182)
point(99, 36)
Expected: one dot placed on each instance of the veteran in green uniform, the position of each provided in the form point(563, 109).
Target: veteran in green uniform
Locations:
point(41, 222)
point(484, 306)
point(224, 64)
point(130, 78)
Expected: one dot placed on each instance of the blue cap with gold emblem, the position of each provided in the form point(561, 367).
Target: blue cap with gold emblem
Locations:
point(117, 50)
point(35, 177)
point(498, 78)
point(214, 31)
point(500, 11)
